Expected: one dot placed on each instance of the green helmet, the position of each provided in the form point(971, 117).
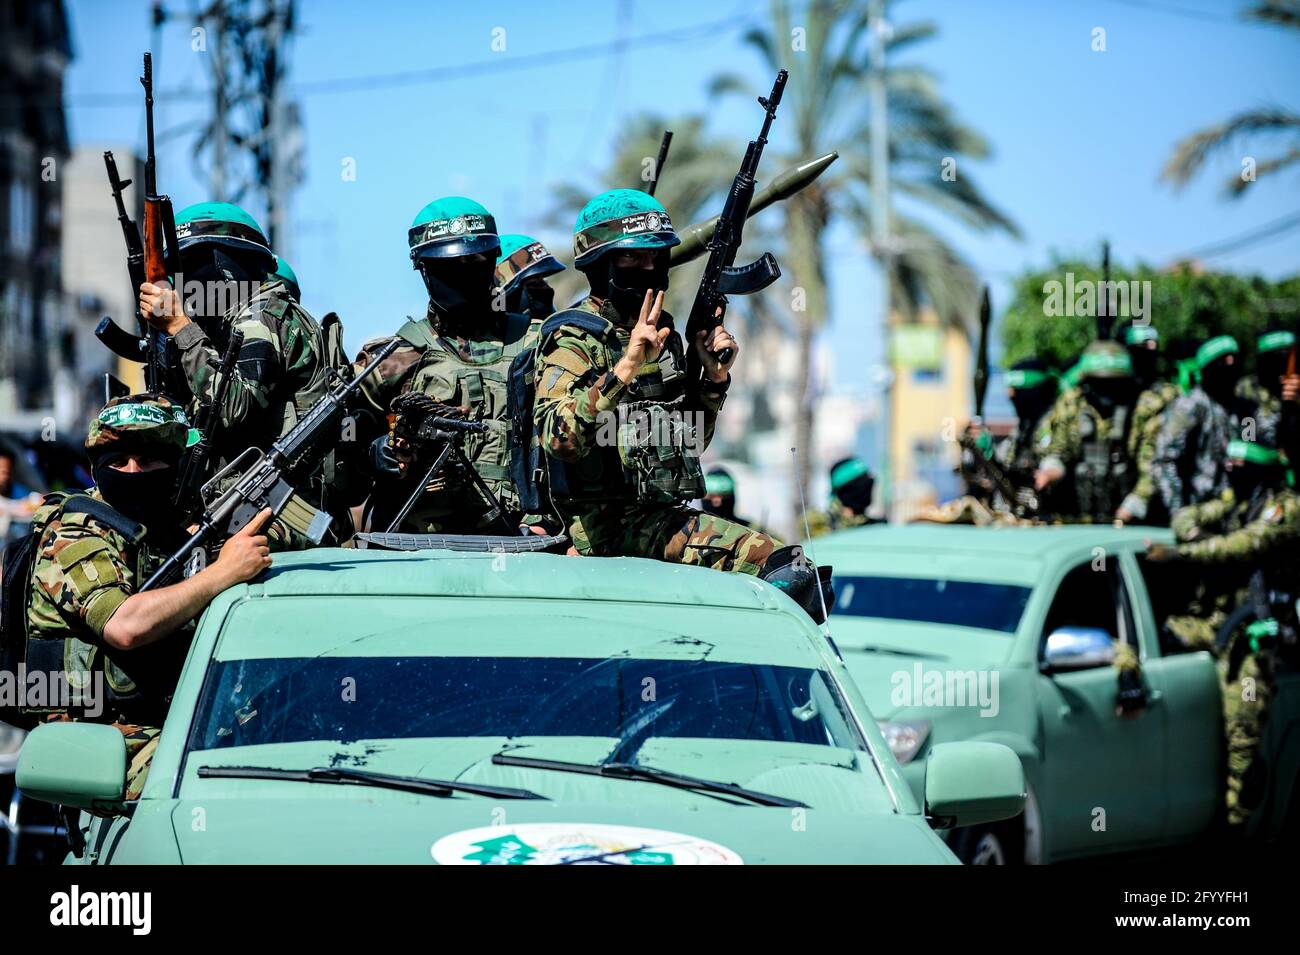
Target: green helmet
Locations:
point(136, 423)
point(621, 219)
point(222, 223)
point(1104, 359)
point(450, 227)
point(523, 258)
point(719, 481)
point(285, 271)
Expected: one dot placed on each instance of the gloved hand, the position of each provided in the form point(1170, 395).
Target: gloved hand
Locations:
point(382, 457)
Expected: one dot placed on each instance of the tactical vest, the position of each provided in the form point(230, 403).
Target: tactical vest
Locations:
point(136, 685)
point(484, 389)
point(646, 450)
point(1104, 474)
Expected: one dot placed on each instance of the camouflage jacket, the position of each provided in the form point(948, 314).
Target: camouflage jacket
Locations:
point(1224, 530)
point(1263, 408)
point(1074, 424)
point(1188, 462)
point(83, 572)
point(461, 371)
point(1148, 416)
point(833, 519)
point(280, 372)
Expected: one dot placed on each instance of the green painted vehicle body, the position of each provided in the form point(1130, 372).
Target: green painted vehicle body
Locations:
point(1098, 783)
point(372, 605)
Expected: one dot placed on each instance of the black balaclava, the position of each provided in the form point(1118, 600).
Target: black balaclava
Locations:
point(856, 494)
point(1219, 379)
point(1145, 361)
point(144, 496)
point(1245, 478)
point(460, 289)
point(536, 298)
point(213, 265)
point(625, 286)
point(1105, 394)
point(725, 508)
point(1270, 366)
point(1032, 403)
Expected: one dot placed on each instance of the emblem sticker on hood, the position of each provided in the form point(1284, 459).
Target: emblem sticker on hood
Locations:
point(577, 843)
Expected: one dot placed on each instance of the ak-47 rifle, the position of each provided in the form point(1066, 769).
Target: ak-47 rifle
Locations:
point(659, 162)
point(266, 479)
point(425, 424)
point(720, 278)
point(160, 246)
point(194, 466)
point(1018, 494)
point(146, 346)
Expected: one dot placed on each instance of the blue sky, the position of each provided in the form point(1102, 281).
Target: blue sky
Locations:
point(1079, 136)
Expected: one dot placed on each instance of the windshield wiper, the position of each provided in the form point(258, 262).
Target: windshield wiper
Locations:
point(361, 777)
point(648, 774)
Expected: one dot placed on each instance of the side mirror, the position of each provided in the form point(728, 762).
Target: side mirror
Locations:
point(1078, 648)
point(82, 765)
point(971, 783)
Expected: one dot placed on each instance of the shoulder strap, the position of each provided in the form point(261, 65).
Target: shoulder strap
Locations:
point(85, 504)
point(577, 318)
point(418, 333)
point(516, 336)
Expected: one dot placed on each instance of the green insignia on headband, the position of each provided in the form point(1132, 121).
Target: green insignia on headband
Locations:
point(1026, 378)
point(119, 416)
point(846, 472)
point(1137, 334)
point(1216, 347)
point(718, 483)
point(1275, 341)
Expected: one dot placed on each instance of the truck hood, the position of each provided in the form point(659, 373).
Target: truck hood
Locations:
point(385, 827)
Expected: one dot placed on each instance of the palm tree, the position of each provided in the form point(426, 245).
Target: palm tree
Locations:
point(826, 51)
point(1191, 153)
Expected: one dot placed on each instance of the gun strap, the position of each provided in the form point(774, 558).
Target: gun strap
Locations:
point(85, 504)
point(418, 333)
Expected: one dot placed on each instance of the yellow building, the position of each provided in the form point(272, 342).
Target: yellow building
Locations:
point(932, 399)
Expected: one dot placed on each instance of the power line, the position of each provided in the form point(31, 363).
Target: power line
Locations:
point(1223, 246)
point(1178, 11)
point(495, 64)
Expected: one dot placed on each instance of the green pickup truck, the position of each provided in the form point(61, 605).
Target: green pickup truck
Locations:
point(1008, 635)
point(369, 706)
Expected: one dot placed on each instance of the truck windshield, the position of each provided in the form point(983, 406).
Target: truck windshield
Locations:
point(278, 700)
point(958, 603)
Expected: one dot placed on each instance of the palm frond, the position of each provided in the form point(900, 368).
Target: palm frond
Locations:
point(1192, 152)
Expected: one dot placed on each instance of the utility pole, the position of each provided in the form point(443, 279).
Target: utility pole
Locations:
point(881, 229)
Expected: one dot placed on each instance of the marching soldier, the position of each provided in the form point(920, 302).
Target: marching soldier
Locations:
point(1190, 452)
point(228, 282)
point(121, 651)
point(1143, 504)
point(1253, 526)
point(1088, 444)
point(621, 426)
point(459, 354)
point(1260, 394)
point(720, 498)
point(523, 265)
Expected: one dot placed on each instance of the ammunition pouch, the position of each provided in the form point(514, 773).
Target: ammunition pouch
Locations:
point(657, 447)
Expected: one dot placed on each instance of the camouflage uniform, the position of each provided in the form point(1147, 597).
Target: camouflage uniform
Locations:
point(834, 519)
point(1263, 407)
point(1148, 416)
point(576, 388)
point(1072, 425)
point(1188, 460)
point(1261, 532)
point(283, 369)
point(458, 371)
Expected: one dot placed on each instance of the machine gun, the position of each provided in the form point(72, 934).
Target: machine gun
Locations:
point(1275, 627)
point(266, 479)
point(194, 466)
point(659, 162)
point(720, 278)
point(429, 424)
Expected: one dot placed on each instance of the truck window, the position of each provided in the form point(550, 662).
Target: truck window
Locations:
point(1091, 596)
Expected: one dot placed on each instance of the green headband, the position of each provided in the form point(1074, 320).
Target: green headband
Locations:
point(650, 223)
point(723, 484)
point(847, 472)
point(118, 416)
point(1275, 341)
point(1026, 378)
point(1103, 362)
point(1214, 349)
point(1138, 334)
point(1253, 453)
